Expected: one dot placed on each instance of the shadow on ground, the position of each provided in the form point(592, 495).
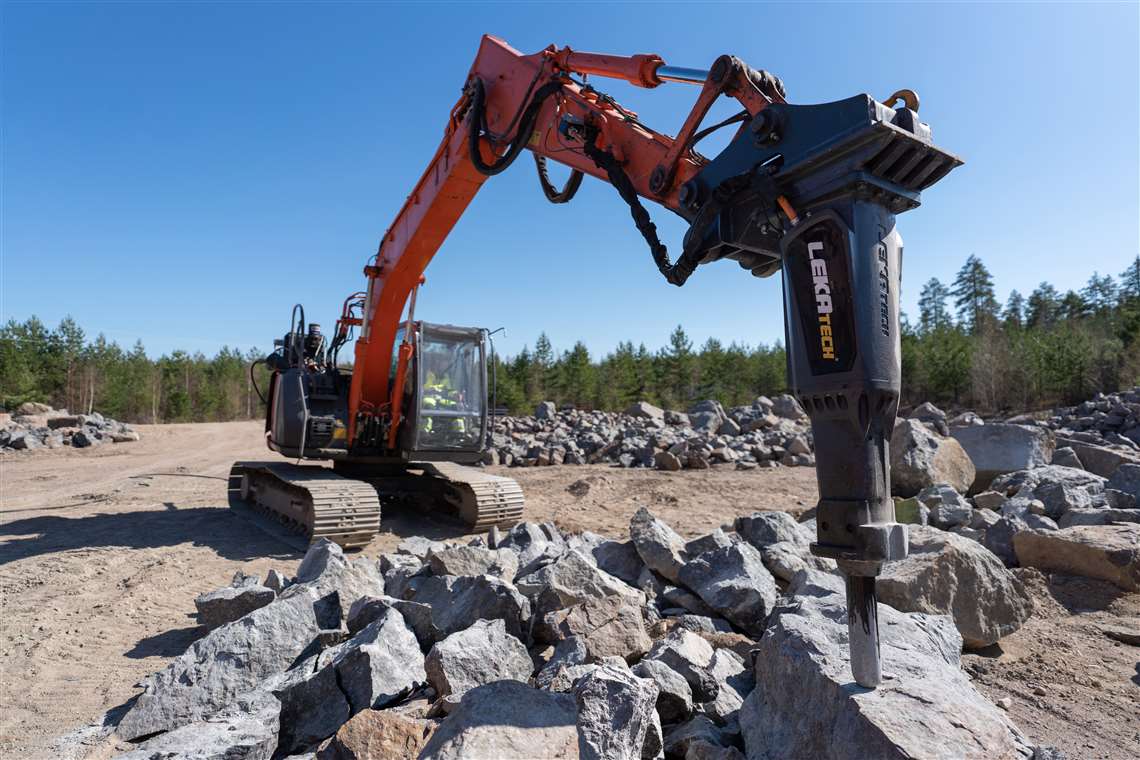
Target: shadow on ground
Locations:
point(213, 527)
point(1079, 595)
point(166, 644)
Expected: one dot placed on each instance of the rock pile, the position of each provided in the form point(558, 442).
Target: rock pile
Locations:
point(1058, 493)
point(533, 643)
point(769, 433)
point(37, 426)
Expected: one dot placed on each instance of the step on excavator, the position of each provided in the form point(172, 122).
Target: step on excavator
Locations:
point(809, 192)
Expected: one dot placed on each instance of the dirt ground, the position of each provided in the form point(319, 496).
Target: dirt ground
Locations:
point(103, 550)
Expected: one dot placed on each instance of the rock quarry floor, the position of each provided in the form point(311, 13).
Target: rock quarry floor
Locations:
point(103, 550)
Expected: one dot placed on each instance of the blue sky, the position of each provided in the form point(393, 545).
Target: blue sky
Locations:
point(184, 172)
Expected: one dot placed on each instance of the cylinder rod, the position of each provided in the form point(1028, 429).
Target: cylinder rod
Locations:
point(681, 74)
point(863, 630)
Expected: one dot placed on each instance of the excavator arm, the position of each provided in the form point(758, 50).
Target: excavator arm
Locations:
point(807, 190)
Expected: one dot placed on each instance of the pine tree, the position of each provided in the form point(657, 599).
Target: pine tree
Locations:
point(1130, 281)
point(973, 293)
point(1100, 294)
point(1042, 307)
point(932, 312)
point(1014, 314)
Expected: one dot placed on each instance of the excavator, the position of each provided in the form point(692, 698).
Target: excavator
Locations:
point(807, 191)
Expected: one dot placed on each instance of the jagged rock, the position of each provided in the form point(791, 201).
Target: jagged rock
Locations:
point(379, 735)
point(690, 656)
point(1100, 460)
point(734, 582)
point(764, 528)
point(247, 729)
point(1058, 488)
point(931, 415)
point(786, 406)
point(419, 547)
point(371, 670)
point(665, 460)
point(674, 696)
point(533, 544)
point(570, 580)
point(735, 681)
point(275, 581)
point(999, 537)
point(948, 508)
point(1066, 457)
point(920, 459)
point(806, 705)
point(474, 560)
point(620, 559)
point(989, 500)
point(545, 410)
point(715, 540)
point(675, 597)
point(946, 574)
point(999, 448)
point(645, 410)
point(451, 603)
point(611, 626)
point(660, 548)
point(506, 720)
point(228, 604)
point(231, 660)
point(784, 559)
point(698, 728)
point(569, 653)
point(1102, 516)
point(614, 714)
point(1126, 479)
point(699, 749)
point(478, 655)
point(1108, 552)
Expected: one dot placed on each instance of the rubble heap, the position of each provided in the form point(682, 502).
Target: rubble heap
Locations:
point(768, 433)
point(36, 426)
point(535, 643)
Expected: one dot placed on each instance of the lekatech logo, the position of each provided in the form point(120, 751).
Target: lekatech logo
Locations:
point(821, 284)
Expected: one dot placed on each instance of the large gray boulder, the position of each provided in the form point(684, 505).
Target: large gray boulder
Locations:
point(998, 448)
point(507, 720)
point(674, 695)
point(231, 660)
point(946, 574)
point(572, 579)
point(805, 703)
point(921, 458)
point(474, 560)
point(228, 604)
point(647, 411)
point(1100, 460)
point(546, 410)
point(450, 603)
point(735, 681)
point(762, 529)
point(1058, 488)
point(246, 730)
point(612, 626)
point(615, 711)
point(691, 657)
point(734, 582)
point(620, 559)
point(660, 548)
point(1126, 478)
point(948, 508)
point(998, 538)
point(1108, 552)
point(373, 669)
point(478, 655)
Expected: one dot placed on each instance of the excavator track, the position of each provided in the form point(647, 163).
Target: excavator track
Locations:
point(481, 499)
point(311, 501)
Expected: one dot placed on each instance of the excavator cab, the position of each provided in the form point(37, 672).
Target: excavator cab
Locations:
point(445, 394)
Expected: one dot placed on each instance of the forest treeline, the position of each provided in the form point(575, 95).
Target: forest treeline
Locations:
point(963, 348)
